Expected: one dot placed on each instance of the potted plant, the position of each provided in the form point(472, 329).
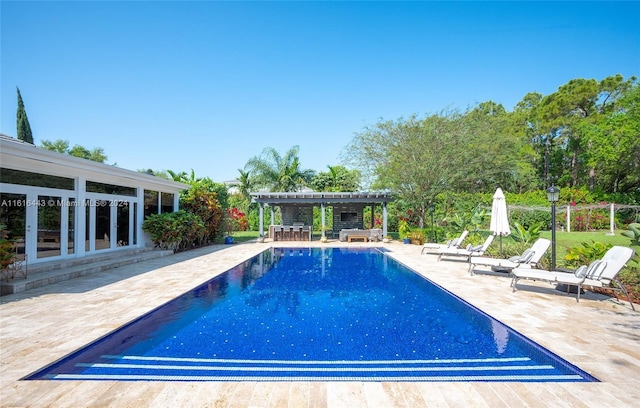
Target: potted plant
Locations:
point(229, 226)
point(404, 230)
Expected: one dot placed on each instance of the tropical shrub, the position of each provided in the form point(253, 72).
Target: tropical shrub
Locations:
point(589, 220)
point(585, 253)
point(176, 231)
point(238, 219)
point(633, 233)
point(202, 199)
point(403, 228)
point(6, 248)
point(417, 237)
point(525, 235)
point(528, 218)
point(471, 220)
point(630, 278)
point(437, 234)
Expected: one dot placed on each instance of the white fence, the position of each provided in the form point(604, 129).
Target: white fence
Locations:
point(568, 209)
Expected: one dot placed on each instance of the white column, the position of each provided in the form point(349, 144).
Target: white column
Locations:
point(261, 219)
point(80, 215)
point(568, 218)
point(384, 220)
point(141, 237)
point(611, 219)
point(64, 226)
point(132, 226)
point(323, 218)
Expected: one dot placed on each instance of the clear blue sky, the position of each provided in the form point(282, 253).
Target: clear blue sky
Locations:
point(207, 85)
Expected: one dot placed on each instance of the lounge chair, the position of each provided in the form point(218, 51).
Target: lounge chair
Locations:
point(529, 258)
point(599, 274)
point(467, 252)
point(432, 247)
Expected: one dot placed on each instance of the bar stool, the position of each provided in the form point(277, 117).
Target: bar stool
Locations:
point(295, 232)
point(286, 233)
point(277, 232)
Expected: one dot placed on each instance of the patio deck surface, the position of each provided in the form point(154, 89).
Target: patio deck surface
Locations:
point(600, 335)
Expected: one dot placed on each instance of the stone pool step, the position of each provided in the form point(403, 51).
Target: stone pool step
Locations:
point(47, 273)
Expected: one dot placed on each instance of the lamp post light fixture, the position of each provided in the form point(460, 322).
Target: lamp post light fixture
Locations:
point(434, 236)
point(553, 194)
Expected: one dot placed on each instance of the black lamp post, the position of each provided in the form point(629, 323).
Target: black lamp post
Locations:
point(553, 194)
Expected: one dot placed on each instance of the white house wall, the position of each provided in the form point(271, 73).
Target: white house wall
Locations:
point(17, 155)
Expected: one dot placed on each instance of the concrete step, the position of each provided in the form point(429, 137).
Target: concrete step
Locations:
point(47, 273)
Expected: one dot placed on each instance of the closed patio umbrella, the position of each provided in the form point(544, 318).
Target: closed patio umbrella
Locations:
point(499, 219)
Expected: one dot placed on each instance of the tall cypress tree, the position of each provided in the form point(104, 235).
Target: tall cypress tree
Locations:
point(24, 128)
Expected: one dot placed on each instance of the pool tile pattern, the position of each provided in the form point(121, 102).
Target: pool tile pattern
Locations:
point(599, 335)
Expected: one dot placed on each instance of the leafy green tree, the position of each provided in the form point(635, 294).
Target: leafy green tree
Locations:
point(157, 173)
point(492, 155)
point(279, 173)
point(202, 199)
point(338, 178)
point(180, 177)
point(526, 123)
point(23, 126)
point(242, 199)
point(245, 184)
point(419, 159)
point(62, 146)
point(563, 121)
point(96, 154)
point(611, 145)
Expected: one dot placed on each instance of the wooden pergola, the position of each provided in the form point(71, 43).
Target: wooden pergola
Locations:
point(310, 199)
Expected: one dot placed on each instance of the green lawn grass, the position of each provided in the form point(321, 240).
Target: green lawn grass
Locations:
point(566, 240)
point(244, 236)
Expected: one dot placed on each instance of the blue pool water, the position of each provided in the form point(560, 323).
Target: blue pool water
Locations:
point(315, 314)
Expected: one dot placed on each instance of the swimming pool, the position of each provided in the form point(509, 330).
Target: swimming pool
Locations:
point(315, 314)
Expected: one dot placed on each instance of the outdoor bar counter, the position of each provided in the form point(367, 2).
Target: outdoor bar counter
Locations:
point(290, 232)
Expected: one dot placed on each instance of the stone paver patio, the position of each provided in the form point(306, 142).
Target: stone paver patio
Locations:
point(39, 326)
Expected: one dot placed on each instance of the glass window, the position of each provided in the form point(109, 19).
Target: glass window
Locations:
point(95, 187)
point(71, 227)
point(103, 224)
point(87, 223)
point(166, 200)
point(135, 223)
point(26, 178)
point(49, 226)
point(150, 202)
point(122, 218)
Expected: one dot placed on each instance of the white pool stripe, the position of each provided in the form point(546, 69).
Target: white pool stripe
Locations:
point(325, 378)
point(313, 369)
point(317, 362)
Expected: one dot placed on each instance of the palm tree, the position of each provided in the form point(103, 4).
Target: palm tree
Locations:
point(245, 183)
point(179, 177)
point(184, 177)
point(279, 173)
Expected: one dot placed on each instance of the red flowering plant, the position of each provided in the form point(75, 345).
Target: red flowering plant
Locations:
point(405, 223)
point(237, 220)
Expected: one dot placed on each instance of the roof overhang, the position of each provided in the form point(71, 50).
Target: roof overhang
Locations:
point(321, 198)
point(18, 155)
